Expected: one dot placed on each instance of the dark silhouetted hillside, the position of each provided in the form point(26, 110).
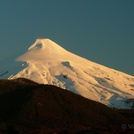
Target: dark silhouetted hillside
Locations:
point(29, 107)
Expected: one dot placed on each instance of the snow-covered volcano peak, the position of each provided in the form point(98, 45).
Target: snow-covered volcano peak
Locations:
point(47, 62)
point(41, 44)
point(44, 50)
point(38, 44)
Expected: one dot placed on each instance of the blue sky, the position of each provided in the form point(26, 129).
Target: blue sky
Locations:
point(99, 30)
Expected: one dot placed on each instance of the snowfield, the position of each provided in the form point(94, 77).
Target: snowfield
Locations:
point(48, 63)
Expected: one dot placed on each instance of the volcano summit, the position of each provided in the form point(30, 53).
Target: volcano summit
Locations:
point(48, 63)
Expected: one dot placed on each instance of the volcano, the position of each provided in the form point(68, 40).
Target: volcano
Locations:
point(46, 62)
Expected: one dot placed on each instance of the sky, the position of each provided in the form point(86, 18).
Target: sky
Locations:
point(99, 30)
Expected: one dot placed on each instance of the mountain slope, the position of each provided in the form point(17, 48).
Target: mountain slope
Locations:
point(35, 108)
point(48, 63)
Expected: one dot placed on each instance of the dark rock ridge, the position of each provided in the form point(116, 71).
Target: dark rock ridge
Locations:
point(29, 107)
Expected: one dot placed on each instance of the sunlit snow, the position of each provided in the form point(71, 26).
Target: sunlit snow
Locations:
point(47, 62)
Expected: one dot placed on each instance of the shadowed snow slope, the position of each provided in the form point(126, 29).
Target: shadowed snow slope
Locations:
point(48, 63)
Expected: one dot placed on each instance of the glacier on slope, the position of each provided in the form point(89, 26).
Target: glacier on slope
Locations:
point(48, 63)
